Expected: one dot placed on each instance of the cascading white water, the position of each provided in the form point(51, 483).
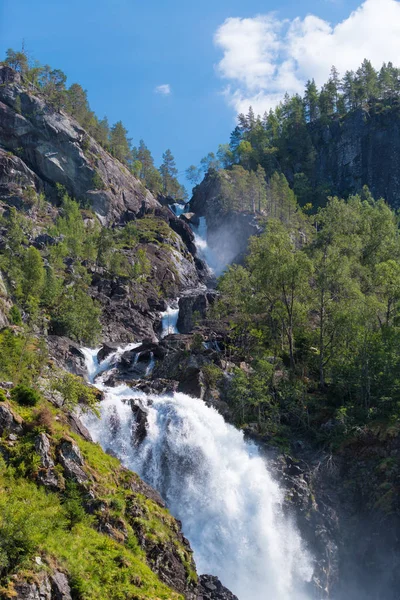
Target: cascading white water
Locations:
point(169, 319)
point(213, 260)
point(178, 208)
point(215, 482)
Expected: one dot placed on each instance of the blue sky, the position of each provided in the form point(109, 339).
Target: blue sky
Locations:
point(121, 50)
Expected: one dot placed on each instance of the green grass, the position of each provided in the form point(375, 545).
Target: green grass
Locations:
point(36, 522)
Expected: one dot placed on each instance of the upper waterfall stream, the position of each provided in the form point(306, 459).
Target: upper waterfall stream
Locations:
point(211, 478)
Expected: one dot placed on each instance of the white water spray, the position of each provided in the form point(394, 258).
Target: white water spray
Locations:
point(215, 482)
point(169, 319)
point(213, 260)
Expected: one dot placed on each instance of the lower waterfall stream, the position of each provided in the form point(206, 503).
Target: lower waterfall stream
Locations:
point(213, 480)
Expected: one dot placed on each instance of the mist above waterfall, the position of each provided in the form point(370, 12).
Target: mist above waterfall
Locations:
point(215, 482)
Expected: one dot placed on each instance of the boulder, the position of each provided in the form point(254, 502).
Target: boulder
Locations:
point(42, 447)
point(105, 351)
point(78, 427)
point(139, 429)
point(70, 458)
point(44, 587)
point(60, 587)
point(210, 588)
point(191, 305)
point(9, 421)
point(191, 218)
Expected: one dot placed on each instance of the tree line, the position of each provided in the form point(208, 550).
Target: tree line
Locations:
point(316, 313)
point(285, 139)
point(52, 84)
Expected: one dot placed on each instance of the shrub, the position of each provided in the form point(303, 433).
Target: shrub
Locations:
point(212, 375)
point(3, 396)
point(44, 419)
point(25, 395)
point(98, 183)
point(75, 391)
point(15, 315)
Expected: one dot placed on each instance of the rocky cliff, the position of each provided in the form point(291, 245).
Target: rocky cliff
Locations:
point(360, 149)
point(228, 232)
point(41, 149)
point(55, 149)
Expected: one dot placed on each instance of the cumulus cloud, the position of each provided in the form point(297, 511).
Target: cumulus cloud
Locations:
point(264, 57)
point(163, 90)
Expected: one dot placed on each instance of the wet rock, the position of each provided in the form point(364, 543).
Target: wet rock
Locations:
point(139, 430)
point(193, 383)
point(210, 588)
point(9, 421)
point(70, 458)
point(191, 218)
point(105, 351)
point(157, 386)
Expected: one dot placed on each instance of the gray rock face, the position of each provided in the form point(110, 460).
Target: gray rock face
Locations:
point(59, 587)
point(9, 422)
point(56, 149)
point(42, 447)
point(192, 305)
point(5, 304)
point(362, 149)
point(70, 458)
point(228, 232)
point(210, 588)
point(140, 427)
point(55, 587)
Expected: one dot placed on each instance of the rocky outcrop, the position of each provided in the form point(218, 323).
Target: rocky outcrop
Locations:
point(140, 426)
point(54, 148)
point(193, 306)
point(9, 421)
point(45, 587)
point(228, 233)
point(210, 588)
point(71, 460)
point(5, 304)
point(361, 149)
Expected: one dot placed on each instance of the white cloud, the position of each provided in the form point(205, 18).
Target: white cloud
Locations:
point(163, 90)
point(264, 57)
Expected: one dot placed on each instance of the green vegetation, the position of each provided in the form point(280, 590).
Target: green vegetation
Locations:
point(61, 527)
point(75, 392)
point(25, 395)
point(315, 312)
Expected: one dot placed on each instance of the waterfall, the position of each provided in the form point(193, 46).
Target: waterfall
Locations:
point(211, 257)
point(169, 319)
point(178, 208)
point(214, 481)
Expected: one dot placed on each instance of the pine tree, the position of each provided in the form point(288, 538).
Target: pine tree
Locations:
point(311, 100)
point(168, 171)
point(119, 142)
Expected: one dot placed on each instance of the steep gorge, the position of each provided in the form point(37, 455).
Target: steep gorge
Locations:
point(266, 521)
